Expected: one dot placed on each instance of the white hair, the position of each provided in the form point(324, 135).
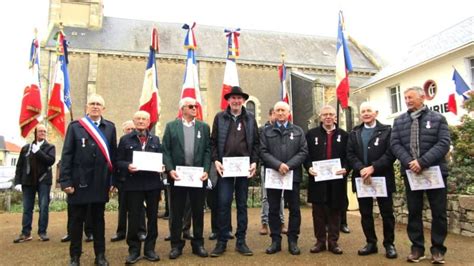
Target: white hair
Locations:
point(368, 105)
point(281, 104)
point(142, 113)
point(184, 100)
point(417, 89)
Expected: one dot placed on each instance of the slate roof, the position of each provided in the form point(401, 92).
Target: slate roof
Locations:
point(451, 39)
point(128, 36)
point(330, 80)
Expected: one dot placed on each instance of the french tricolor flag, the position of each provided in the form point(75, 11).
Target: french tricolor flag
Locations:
point(284, 95)
point(231, 77)
point(60, 99)
point(191, 77)
point(343, 65)
point(149, 99)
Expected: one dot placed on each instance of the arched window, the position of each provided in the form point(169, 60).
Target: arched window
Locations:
point(250, 106)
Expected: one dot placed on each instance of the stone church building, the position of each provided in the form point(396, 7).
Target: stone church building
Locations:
point(108, 56)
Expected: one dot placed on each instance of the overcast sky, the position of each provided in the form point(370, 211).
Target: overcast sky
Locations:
point(387, 27)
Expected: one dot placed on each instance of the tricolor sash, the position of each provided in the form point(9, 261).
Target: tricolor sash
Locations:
point(98, 137)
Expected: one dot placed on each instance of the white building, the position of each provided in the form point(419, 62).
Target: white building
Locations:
point(429, 64)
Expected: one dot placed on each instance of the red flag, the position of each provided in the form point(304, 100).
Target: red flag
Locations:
point(149, 100)
point(57, 101)
point(452, 106)
point(343, 65)
point(231, 77)
point(31, 103)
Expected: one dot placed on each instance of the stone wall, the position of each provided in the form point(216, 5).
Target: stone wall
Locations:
point(460, 213)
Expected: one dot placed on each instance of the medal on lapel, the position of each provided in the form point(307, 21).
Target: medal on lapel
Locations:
point(338, 138)
point(239, 127)
point(199, 134)
point(291, 136)
point(83, 142)
point(376, 142)
point(316, 141)
point(428, 124)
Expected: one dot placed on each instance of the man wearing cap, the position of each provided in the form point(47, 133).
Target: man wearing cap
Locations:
point(86, 172)
point(234, 134)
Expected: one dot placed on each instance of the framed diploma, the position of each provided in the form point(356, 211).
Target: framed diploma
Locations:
point(377, 188)
point(430, 178)
point(189, 176)
point(326, 169)
point(236, 166)
point(148, 161)
point(274, 180)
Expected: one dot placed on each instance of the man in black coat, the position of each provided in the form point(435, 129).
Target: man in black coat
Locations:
point(33, 174)
point(234, 134)
point(417, 153)
point(328, 197)
point(369, 154)
point(140, 186)
point(127, 127)
point(283, 148)
point(86, 175)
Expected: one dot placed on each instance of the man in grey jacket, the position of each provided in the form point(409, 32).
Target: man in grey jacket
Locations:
point(283, 148)
point(418, 153)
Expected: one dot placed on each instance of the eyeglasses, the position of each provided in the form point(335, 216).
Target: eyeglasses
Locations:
point(191, 106)
point(328, 114)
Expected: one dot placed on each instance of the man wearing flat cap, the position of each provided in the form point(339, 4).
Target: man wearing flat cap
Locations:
point(234, 134)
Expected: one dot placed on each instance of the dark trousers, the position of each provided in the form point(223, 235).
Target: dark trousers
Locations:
point(29, 195)
point(78, 216)
point(135, 201)
point(439, 225)
point(326, 224)
point(294, 222)
point(88, 224)
point(179, 197)
point(226, 187)
point(212, 200)
point(122, 214)
point(367, 219)
point(187, 215)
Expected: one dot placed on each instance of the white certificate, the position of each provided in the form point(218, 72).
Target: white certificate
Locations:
point(377, 188)
point(273, 179)
point(189, 176)
point(148, 161)
point(430, 178)
point(236, 166)
point(326, 169)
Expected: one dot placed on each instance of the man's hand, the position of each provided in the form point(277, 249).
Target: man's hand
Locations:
point(204, 176)
point(69, 190)
point(342, 171)
point(283, 169)
point(113, 189)
point(415, 166)
point(132, 168)
point(174, 175)
point(252, 170)
point(219, 167)
point(367, 171)
point(367, 180)
point(18, 187)
point(312, 172)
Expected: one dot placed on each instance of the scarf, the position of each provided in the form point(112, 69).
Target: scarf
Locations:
point(415, 133)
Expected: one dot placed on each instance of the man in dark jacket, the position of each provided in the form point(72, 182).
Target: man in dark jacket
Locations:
point(33, 174)
point(283, 148)
point(186, 142)
point(417, 153)
point(369, 154)
point(86, 175)
point(140, 186)
point(328, 197)
point(234, 134)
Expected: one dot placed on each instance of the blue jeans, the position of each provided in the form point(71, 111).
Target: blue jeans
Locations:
point(225, 192)
point(29, 193)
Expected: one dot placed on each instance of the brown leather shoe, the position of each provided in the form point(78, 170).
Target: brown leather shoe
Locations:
point(415, 256)
point(284, 230)
point(437, 258)
point(318, 247)
point(264, 230)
